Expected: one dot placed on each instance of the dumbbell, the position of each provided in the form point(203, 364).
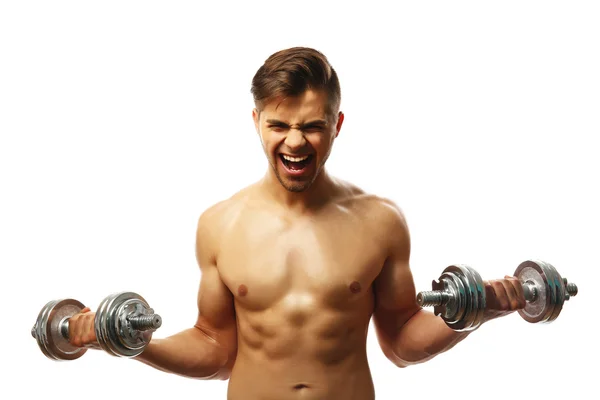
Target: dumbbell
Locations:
point(124, 323)
point(458, 296)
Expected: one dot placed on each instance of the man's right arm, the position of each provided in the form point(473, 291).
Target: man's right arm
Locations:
point(208, 350)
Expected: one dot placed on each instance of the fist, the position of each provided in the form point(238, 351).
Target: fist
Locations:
point(503, 297)
point(81, 329)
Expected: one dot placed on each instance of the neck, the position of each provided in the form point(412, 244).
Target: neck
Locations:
point(317, 194)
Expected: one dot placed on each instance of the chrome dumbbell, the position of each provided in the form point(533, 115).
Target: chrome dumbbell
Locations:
point(458, 296)
point(124, 323)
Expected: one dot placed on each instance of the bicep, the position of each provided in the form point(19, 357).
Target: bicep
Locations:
point(215, 301)
point(395, 294)
point(395, 298)
point(216, 312)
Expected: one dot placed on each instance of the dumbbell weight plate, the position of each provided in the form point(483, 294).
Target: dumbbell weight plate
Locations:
point(47, 330)
point(560, 292)
point(113, 330)
point(452, 312)
point(480, 292)
point(474, 297)
point(476, 290)
point(550, 292)
point(447, 282)
point(463, 318)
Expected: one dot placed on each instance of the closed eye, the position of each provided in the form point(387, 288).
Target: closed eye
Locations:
point(313, 128)
point(310, 127)
point(278, 127)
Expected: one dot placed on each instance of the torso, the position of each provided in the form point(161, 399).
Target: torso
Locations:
point(302, 287)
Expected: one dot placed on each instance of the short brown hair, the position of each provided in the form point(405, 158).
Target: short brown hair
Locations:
point(290, 72)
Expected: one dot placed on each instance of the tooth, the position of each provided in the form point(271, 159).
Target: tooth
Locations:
point(294, 159)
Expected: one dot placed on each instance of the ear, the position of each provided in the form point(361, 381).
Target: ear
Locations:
point(256, 117)
point(340, 121)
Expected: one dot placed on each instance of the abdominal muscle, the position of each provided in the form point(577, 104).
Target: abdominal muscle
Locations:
point(322, 358)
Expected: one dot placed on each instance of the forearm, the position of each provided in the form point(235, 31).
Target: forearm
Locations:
point(423, 337)
point(190, 353)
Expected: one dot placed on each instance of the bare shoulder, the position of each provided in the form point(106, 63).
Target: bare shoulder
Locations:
point(382, 210)
point(389, 211)
point(382, 215)
point(214, 222)
point(218, 215)
point(393, 222)
point(389, 218)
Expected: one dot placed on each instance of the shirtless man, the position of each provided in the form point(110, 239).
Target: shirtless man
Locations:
point(294, 266)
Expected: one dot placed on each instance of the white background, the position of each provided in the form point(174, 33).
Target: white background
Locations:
point(122, 121)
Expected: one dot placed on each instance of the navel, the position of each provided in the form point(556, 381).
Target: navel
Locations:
point(355, 287)
point(243, 290)
point(301, 386)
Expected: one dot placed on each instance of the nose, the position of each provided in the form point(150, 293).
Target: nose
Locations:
point(295, 139)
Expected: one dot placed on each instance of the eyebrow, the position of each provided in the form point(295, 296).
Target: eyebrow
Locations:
point(317, 122)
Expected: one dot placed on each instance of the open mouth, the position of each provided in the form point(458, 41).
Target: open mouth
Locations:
point(296, 164)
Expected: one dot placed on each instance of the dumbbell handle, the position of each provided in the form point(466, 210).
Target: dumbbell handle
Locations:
point(139, 323)
point(440, 297)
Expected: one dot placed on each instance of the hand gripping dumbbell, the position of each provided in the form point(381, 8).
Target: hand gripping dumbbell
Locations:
point(123, 323)
point(458, 296)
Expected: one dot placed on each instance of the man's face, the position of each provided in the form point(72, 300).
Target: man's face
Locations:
point(297, 134)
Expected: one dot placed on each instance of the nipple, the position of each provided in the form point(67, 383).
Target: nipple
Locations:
point(355, 287)
point(243, 290)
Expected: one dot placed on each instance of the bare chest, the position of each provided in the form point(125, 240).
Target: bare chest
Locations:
point(313, 263)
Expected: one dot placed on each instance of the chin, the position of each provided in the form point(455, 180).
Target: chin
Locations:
point(295, 186)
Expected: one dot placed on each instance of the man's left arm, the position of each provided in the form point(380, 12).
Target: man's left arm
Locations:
point(407, 333)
